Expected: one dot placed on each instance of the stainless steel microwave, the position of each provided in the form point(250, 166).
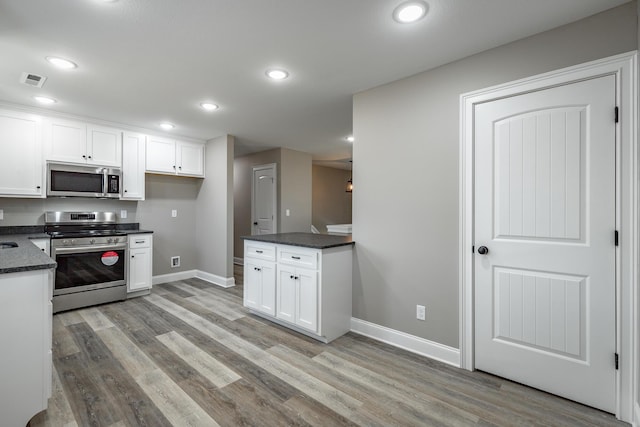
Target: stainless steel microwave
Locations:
point(82, 181)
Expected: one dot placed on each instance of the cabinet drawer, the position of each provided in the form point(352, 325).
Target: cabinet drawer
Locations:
point(139, 241)
point(298, 257)
point(260, 251)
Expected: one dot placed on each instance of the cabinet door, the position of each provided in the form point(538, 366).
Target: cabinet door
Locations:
point(161, 155)
point(133, 145)
point(104, 146)
point(307, 299)
point(190, 159)
point(65, 141)
point(139, 269)
point(20, 155)
point(260, 286)
point(286, 295)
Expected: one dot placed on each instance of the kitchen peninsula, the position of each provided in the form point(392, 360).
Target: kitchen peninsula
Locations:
point(26, 289)
point(301, 281)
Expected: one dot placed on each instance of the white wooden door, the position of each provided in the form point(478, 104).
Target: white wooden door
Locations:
point(190, 158)
point(286, 294)
point(307, 299)
point(104, 146)
point(139, 269)
point(263, 203)
point(260, 286)
point(65, 140)
point(133, 158)
point(20, 155)
point(161, 155)
point(545, 211)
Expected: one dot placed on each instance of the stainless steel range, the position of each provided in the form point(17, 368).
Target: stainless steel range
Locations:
point(92, 258)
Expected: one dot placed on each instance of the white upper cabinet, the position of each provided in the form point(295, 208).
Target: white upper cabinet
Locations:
point(77, 142)
point(133, 158)
point(172, 157)
point(104, 146)
point(21, 165)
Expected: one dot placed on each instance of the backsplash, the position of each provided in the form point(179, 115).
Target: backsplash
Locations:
point(31, 211)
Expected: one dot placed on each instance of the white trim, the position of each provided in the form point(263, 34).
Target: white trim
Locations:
point(636, 418)
point(224, 282)
point(172, 277)
point(412, 343)
point(623, 66)
point(274, 168)
point(237, 260)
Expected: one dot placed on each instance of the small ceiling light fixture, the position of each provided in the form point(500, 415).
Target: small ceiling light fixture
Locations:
point(350, 138)
point(166, 126)
point(410, 11)
point(45, 100)
point(208, 106)
point(277, 74)
point(62, 63)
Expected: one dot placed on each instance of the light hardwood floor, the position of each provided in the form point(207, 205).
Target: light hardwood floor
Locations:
point(190, 355)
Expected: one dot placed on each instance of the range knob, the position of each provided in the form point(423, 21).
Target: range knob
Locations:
point(92, 241)
point(65, 242)
point(109, 240)
point(73, 241)
point(116, 240)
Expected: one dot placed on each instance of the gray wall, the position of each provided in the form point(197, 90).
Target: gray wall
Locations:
point(406, 132)
point(295, 191)
point(214, 210)
point(331, 204)
point(242, 176)
point(31, 211)
point(172, 236)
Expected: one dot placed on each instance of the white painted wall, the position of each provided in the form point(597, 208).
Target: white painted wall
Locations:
point(405, 206)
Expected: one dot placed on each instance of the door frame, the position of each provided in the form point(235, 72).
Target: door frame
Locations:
point(274, 167)
point(623, 67)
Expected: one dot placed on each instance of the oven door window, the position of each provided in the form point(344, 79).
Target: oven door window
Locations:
point(89, 268)
point(79, 182)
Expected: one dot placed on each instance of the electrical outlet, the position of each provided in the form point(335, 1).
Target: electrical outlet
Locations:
point(1, 214)
point(123, 214)
point(420, 312)
point(175, 261)
point(174, 213)
point(288, 212)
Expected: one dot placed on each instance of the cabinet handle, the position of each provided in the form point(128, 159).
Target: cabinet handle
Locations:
point(84, 157)
point(133, 256)
point(38, 187)
point(295, 257)
point(125, 191)
point(174, 166)
point(258, 252)
point(89, 156)
point(139, 241)
point(180, 167)
point(297, 277)
point(291, 277)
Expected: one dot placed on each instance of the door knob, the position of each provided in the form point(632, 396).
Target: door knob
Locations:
point(483, 250)
point(255, 223)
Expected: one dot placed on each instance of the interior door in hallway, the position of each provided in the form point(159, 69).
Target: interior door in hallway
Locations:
point(264, 200)
point(545, 260)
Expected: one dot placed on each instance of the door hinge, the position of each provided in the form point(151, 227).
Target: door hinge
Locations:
point(617, 111)
point(473, 249)
point(615, 237)
point(616, 360)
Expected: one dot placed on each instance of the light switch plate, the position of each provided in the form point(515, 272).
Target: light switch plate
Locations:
point(288, 212)
point(123, 214)
point(174, 213)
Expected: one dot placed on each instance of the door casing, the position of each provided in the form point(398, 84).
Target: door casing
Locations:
point(624, 68)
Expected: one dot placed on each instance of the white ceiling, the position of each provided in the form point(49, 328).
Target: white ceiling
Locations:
point(141, 62)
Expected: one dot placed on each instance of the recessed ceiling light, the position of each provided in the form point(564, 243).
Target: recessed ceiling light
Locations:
point(410, 11)
point(277, 74)
point(65, 64)
point(350, 138)
point(166, 126)
point(209, 106)
point(45, 100)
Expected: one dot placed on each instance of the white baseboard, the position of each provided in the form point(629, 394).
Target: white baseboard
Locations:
point(225, 282)
point(636, 415)
point(421, 346)
point(171, 277)
point(238, 260)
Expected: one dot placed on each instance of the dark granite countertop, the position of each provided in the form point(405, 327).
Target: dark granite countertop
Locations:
point(306, 240)
point(26, 256)
point(139, 231)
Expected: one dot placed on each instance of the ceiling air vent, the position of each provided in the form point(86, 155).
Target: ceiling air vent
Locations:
point(32, 79)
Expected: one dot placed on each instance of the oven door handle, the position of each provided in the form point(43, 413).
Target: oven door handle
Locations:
point(85, 249)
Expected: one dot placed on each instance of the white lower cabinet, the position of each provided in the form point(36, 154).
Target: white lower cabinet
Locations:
point(140, 263)
point(26, 337)
point(308, 290)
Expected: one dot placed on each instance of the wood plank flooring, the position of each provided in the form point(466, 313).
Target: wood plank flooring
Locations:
point(190, 355)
